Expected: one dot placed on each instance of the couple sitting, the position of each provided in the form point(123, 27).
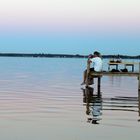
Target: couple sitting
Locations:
point(96, 60)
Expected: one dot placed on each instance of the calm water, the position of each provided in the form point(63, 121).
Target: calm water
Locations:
point(41, 99)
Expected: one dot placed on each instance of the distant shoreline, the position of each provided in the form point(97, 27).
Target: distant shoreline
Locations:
point(63, 55)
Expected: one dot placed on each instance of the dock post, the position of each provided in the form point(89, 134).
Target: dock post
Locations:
point(139, 89)
point(99, 86)
point(139, 101)
point(139, 78)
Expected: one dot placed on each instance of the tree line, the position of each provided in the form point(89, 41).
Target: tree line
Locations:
point(65, 55)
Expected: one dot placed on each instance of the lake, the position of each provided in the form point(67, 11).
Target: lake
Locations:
point(42, 99)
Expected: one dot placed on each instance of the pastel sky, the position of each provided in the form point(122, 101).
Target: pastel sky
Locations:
point(70, 26)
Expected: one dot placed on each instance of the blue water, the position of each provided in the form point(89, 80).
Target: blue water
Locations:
point(41, 98)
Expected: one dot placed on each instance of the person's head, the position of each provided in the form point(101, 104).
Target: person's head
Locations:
point(90, 56)
point(97, 54)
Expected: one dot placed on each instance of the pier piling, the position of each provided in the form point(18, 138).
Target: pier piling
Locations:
point(139, 89)
point(99, 86)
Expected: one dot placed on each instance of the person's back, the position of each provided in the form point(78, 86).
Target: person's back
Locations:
point(97, 63)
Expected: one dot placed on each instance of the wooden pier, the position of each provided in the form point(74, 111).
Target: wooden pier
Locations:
point(99, 75)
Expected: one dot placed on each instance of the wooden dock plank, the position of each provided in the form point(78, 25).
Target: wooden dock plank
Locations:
point(114, 73)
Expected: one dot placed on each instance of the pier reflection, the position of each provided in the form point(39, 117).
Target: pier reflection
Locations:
point(96, 105)
point(139, 104)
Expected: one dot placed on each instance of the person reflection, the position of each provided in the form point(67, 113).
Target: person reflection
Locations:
point(93, 105)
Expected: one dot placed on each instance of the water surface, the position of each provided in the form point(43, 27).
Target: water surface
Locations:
point(41, 98)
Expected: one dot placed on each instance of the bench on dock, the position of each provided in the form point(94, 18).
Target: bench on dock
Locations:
point(125, 64)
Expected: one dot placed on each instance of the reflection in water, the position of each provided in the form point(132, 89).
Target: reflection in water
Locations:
point(139, 104)
point(93, 105)
point(120, 103)
point(39, 100)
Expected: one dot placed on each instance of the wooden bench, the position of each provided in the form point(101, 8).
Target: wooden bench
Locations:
point(126, 64)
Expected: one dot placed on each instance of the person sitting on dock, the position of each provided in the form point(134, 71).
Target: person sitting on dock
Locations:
point(97, 65)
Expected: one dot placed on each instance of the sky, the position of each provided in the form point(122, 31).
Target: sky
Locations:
point(70, 26)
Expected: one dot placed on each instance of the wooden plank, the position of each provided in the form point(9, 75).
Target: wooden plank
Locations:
point(121, 73)
point(114, 73)
point(122, 63)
